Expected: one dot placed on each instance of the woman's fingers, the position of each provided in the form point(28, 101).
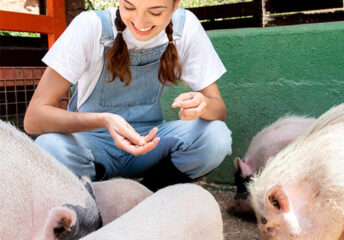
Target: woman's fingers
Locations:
point(192, 113)
point(140, 150)
point(128, 132)
point(191, 104)
point(127, 139)
point(151, 135)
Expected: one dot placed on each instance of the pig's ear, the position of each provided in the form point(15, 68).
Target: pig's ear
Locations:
point(277, 200)
point(59, 222)
point(245, 170)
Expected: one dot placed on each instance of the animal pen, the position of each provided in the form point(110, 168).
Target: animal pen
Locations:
point(20, 57)
point(270, 71)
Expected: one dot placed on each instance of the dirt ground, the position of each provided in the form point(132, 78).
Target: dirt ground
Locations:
point(235, 227)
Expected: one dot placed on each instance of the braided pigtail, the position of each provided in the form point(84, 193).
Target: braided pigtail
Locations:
point(170, 67)
point(118, 56)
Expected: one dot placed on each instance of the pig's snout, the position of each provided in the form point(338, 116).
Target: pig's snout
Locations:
point(268, 231)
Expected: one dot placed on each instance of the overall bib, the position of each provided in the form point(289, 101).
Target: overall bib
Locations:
point(194, 147)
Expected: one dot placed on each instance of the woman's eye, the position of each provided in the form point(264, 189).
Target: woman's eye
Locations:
point(128, 8)
point(155, 14)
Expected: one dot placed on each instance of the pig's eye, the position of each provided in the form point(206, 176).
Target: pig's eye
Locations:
point(263, 220)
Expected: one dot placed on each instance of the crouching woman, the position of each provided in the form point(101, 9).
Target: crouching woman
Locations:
point(122, 59)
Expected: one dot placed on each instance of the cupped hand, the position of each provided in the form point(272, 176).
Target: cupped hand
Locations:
point(126, 138)
point(192, 105)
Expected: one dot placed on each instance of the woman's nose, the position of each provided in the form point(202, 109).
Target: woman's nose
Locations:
point(140, 20)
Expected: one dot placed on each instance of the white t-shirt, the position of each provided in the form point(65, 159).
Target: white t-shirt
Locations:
point(78, 54)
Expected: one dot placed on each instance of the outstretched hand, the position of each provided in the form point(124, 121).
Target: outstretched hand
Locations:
point(126, 138)
point(192, 105)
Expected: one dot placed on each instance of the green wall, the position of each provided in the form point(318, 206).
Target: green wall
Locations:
point(271, 72)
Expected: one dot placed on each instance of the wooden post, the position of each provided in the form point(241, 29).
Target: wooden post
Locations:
point(258, 16)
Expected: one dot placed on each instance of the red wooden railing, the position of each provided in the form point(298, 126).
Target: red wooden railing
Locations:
point(52, 24)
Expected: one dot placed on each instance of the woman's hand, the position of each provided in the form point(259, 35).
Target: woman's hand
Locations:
point(206, 104)
point(192, 105)
point(125, 136)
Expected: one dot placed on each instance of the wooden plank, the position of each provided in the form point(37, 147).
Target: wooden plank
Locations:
point(280, 6)
point(235, 23)
point(23, 22)
point(301, 18)
point(226, 10)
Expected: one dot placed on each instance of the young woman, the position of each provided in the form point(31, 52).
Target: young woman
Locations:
point(122, 60)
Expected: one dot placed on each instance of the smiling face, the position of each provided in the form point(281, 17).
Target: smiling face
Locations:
point(146, 18)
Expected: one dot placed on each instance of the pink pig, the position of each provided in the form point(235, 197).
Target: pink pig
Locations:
point(117, 196)
point(40, 199)
point(177, 212)
point(299, 195)
point(263, 147)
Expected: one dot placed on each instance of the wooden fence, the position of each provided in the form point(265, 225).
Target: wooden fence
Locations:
point(265, 13)
point(235, 15)
point(289, 12)
point(255, 13)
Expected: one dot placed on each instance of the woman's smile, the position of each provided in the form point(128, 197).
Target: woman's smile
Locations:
point(146, 18)
point(144, 30)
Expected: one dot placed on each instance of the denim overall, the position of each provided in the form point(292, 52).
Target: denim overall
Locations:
point(195, 147)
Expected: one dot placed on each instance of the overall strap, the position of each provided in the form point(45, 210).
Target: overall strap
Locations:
point(105, 18)
point(178, 20)
point(107, 35)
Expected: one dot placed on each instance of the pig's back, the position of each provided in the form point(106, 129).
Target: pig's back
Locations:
point(272, 139)
point(31, 183)
point(181, 211)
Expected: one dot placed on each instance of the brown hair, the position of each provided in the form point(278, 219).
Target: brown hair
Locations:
point(118, 57)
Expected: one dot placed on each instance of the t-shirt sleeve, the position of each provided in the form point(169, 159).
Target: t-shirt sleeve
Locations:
point(71, 53)
point(201, 64)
